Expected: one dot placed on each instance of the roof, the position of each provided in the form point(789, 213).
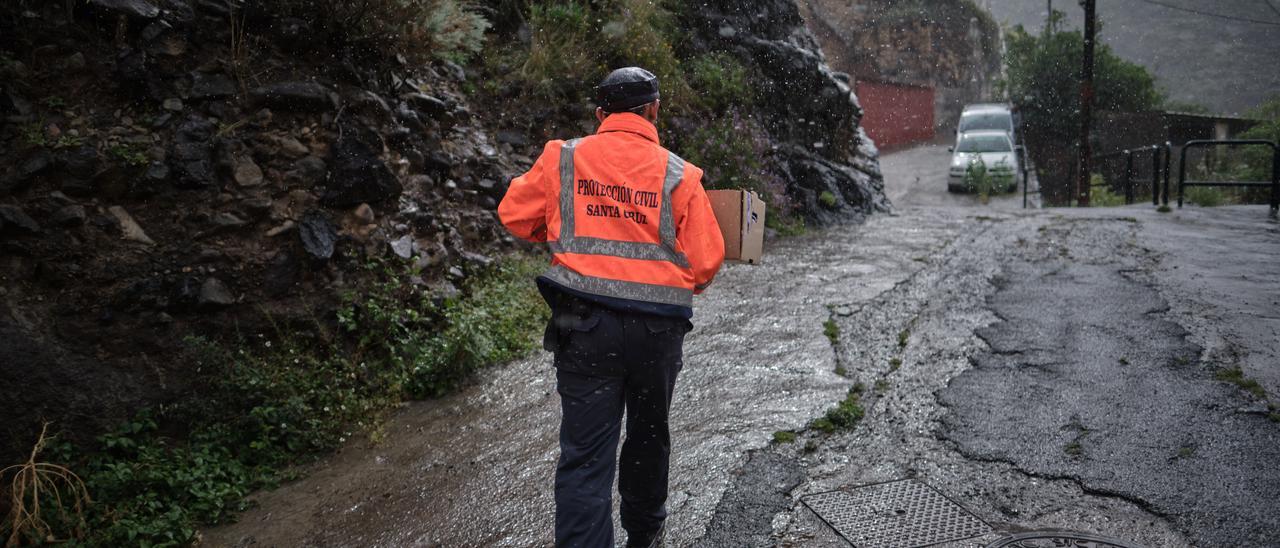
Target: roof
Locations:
point(984, 133)
point(988, 106)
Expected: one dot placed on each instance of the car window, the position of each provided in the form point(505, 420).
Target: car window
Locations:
point(986, 120)
point(984, 143)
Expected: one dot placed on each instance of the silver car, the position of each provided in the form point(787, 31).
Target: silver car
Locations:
point(990, 149)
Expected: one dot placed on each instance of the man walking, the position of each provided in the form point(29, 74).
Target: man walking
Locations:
point(633, 239)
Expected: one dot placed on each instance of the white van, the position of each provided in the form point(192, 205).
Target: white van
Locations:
point(988, 116)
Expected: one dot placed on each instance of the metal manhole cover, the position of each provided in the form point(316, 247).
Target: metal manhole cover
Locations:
point(897, 514)
point(1059, 539)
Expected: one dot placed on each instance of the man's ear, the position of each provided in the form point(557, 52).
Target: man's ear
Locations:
point(652, 111)
point(600, 115)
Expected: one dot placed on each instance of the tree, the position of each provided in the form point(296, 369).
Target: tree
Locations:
point(1043, 79)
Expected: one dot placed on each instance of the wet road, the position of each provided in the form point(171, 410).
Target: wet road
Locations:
point(970, 291)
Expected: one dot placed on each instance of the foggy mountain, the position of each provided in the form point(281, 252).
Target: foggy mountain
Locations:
point(1227, 65)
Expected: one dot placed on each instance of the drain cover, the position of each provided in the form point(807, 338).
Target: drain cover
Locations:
point(1059, 539)
point(897, 514)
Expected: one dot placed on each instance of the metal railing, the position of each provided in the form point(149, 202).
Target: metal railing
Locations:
point(1274, 183)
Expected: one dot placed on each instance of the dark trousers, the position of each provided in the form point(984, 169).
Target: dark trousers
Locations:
point(608, 362)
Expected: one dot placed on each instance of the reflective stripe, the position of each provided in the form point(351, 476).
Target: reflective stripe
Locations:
point(620, 289)
point(619, 248)
point(667, 222)
point(566, 190)
point(569, 242)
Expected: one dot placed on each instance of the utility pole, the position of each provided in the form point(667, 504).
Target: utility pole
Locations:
point(1048, 19)
point(1086, 103)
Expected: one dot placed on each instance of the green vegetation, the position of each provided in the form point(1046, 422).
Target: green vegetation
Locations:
point(894, 364)
point(1164, 208)
point(1102, 196)
point(784, 436)
point(903, 336)
point(1073, 449)
point(831, 330)
point(1042, 75)
point(1235, 375)
point(845, 415)
point(277, 401)
point(984, 180)
point(1186, 452)
point(1124, 360)
point(720, 81)
point(1206, 196)
point(881, 386)
point(128, 154)
point(827, 199)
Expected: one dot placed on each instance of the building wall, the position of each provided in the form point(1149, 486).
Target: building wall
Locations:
point(896, 114)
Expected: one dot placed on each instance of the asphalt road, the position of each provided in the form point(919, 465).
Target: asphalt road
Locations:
point(917, 176)
point(990, 340)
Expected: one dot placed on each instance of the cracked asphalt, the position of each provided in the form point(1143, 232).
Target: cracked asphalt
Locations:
point(991, 342)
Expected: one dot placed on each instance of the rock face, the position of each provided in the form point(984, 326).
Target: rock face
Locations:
point(358, 175)
point(813, 115)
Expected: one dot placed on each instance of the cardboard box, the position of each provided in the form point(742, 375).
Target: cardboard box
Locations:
point(741, 217)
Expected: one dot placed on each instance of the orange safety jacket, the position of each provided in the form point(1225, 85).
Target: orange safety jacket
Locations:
point(626, 220)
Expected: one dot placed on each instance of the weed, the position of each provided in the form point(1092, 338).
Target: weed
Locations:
point(1275, 417)
point(827, 199)
point(784, 436)
point(881, 386)
point(132, 155)
point(840, 370)
point(54, 102)
point(903, 336)
point(1181, 360)
point(831, 330)
point(1073, 449)
point(1124, 360)
point(920, 259)
point(810, 446)
point(1236, 376)
point(1186, 452)
point(1164, 208)
point(1205, 196)
point(35, 479)
point(894, 364)
point(845, 415)
point(785, 225)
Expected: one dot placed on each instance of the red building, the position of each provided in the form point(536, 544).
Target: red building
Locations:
point(896, 114)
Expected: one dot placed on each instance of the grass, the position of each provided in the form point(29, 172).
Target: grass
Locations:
point(903, 337)
point(1164, 208)
point(894, 364)
point(1186, 452)
point(845, 415)
point(277, 400)
point(832, 331)
point(1124, 360)
point(784, 436)
point(881, 386)
point(1235, 375)
point(131, 155)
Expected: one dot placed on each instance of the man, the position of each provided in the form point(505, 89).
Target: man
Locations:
point(633, 238)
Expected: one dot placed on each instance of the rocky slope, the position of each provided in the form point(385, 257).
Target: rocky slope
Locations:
point(169, 174)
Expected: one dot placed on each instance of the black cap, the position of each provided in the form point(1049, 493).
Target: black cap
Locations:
point(627, 88)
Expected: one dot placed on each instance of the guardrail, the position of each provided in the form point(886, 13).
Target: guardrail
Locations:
point(1274, 183)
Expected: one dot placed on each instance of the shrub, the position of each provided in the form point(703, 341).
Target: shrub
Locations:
point(1205, 196)
point(719, 81)
point(845, 415)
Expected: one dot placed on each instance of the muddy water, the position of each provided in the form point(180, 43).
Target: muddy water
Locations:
point(476, 468)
